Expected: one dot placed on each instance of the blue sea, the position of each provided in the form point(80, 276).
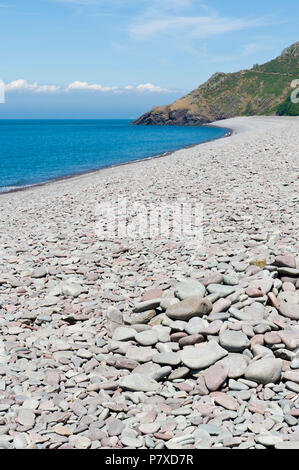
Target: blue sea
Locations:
point(36, 151)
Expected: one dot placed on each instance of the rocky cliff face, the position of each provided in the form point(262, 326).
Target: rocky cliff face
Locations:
point(258, 91)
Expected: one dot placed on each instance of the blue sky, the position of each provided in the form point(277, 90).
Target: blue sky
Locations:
point(119, 58)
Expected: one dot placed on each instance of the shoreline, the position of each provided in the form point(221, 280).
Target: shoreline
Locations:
point(81, 173)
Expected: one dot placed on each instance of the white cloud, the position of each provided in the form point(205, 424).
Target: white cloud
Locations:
point(77, 85)
point(22, 85)
point(151, 88)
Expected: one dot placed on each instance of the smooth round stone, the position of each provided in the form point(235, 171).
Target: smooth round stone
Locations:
point(221, 316)
point(177, 336)
point(166, 347)
point(31, 404)
point(141, 318)
point(213, 328)
point(21, 441)
point(178, 325)
point(179, 373)
point(163, 333)
point(211, 429)
point(230, 280)
point(264, 285)
point(233, 341)
point(149, 428)
point(120, 347)
point(147, 305)
point(214, 278)
point(188, 308)
point(130, 438)
point(115, 427)
point(123, 333)
point(256, 428)
point(138, 327)
point(195, 325)
point(259, 350)
point(261, 329)
point(289, 310)
point(39, 273)
point(190, 340)
point(189, 288)
point(152, 294)
point(143, 354)
point(213, 298)
point(168, 302)
point(114, 315)
point(268, 440)
point(294, 387)
point(215, 376)
point(80, 442)
point(179, 442)
point(289, 338)
point(202, 356)
point(148, 368)
point(240, 267)
point(222, 305)
point(161, 373)
point(286, 261)
point(288, 287)
point(147, 337)
point(26, 417)
point(236, 386)
point(237, 364)
point(263, 371)
point(221, 290)
point(295, 363)
point(72, 289)
point(167, 358)
point(292, 375)
point(226, 401)
point(271, 338)
point(138, 383)
point(252, 291)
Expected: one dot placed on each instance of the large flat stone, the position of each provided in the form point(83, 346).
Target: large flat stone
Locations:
point(264, 371)
point(202, 356)
point(233, 341)
point(138, 383)
point(189, 288)
point(188, 308)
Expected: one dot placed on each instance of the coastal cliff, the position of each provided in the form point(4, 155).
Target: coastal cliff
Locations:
point(263, 90)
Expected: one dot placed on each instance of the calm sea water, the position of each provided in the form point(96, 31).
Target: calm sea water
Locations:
point(35, 151)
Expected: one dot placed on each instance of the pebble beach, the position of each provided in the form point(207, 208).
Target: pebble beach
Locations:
point(151, 343)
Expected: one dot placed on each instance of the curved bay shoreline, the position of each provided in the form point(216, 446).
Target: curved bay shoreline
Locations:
point(72, 175)
point(97, 347)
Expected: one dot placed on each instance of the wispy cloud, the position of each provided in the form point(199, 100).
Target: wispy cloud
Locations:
point(22, 85)
point(193, 26)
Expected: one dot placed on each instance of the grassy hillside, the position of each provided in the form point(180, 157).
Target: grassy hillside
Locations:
point(263, 90)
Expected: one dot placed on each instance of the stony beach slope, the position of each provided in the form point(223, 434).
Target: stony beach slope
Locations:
point(151, 343)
